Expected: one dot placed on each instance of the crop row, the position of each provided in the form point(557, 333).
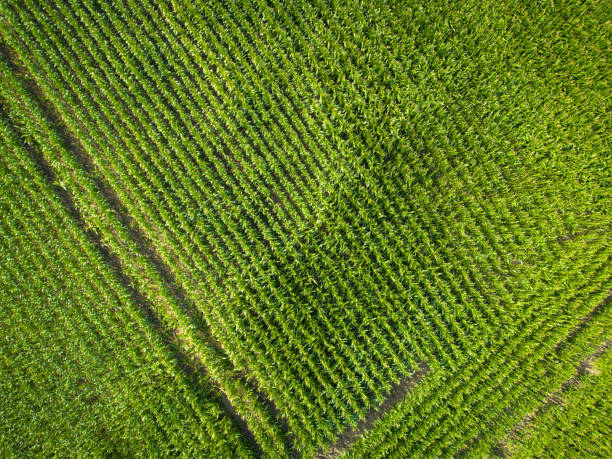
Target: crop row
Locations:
point(577, 423)
point(361, 362)
point(166, 214)
point(551, 260)
point(326, 193)
point(113, 234)
point(58, 273)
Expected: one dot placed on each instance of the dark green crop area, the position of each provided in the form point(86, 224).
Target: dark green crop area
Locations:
point(306, 229)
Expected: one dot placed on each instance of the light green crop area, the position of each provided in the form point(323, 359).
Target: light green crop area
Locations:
point(242, 228)
point(576, 422)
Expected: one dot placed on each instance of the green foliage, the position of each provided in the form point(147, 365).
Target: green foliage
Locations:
point(286, 208)
point(577, 422)
point(82, 368)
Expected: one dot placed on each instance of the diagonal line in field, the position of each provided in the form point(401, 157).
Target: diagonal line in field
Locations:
point(397, 393)
point(554, 398)
point(190, 363)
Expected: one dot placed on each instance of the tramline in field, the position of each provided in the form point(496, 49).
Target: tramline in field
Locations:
point(235, 229)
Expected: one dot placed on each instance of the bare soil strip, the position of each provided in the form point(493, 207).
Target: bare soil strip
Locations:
point(584, 322)
point(397, 393)
point(555, 398)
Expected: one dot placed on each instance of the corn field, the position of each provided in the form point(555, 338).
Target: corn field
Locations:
point(253, 228)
